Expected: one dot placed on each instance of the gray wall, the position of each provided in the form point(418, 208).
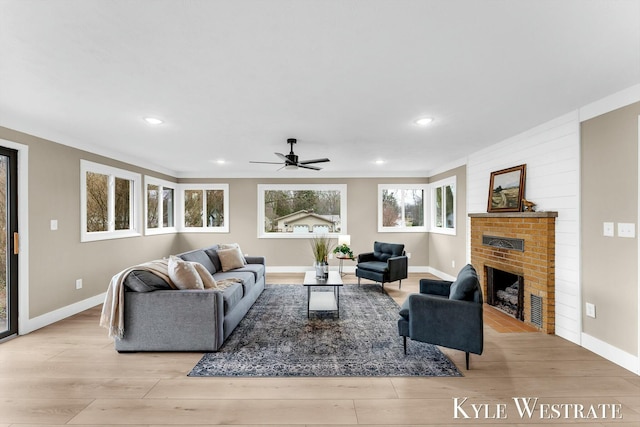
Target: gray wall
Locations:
point(444, 248)
point(609, 164)
point(362, 214)
point(57, 258)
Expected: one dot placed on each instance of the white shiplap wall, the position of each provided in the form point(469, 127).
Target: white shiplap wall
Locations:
point(552, 154)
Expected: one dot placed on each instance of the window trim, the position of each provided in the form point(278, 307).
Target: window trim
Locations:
point(342, 188)
point(161, 229)
point(134, 206)
point(404, 229)
point(204, 229)
point(451, 181)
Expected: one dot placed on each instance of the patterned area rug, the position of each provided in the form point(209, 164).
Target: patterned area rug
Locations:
point(275, 339)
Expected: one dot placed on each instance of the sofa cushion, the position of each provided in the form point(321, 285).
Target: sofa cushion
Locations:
point(183, 274)
point(231, 296)
point(246, 277)
point(201, 257)
point(233, 246)
point(230, 259)
point(465, 284)
point(212, 253)
point(377, 266)
point(384, 251)
point(256, 269)
point(145, 281)
point(208, 281)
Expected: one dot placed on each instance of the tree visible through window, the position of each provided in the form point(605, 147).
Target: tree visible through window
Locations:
point(160, 206)
point(206, 207)
point(110, 202)
point(401, 207)
point(444, 206)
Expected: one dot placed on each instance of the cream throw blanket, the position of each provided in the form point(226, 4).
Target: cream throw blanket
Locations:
point(112, 316)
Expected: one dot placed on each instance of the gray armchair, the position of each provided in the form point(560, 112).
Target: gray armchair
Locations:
point(387, 263)
point(447, 314)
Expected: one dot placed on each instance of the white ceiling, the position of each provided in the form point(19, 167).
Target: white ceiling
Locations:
point(234, 79)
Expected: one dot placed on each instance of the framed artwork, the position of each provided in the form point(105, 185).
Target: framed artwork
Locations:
point(506, 189)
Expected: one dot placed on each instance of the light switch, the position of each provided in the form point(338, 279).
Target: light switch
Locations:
point(608, 229)
point(626, 229)
point(54, 224)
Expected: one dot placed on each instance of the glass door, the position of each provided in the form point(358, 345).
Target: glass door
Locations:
point(8, 242)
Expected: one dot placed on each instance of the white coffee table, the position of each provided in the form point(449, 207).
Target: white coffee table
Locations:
point(319, 300)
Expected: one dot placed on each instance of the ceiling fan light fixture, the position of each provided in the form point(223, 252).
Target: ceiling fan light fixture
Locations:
point(153, 121)
point(424, 121)
point(291, 167)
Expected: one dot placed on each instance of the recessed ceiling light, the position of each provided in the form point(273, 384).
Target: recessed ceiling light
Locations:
point(423, 121)
point(220, 161)
point(153, 121)
point(379, 162)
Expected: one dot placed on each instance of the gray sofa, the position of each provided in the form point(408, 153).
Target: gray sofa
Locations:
point(158, 318)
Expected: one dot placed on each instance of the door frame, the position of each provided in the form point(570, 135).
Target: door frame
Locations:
point(23, 232)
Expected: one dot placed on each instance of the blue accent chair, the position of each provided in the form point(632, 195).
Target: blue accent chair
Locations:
point(448, 314)
point(387, 263)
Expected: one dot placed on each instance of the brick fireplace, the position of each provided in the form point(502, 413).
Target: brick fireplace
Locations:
point(521, 244)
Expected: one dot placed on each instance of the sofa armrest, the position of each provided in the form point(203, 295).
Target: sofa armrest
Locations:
point(366, 257)
point(255, 260)
point(435, 287)
point(450, 323)
point(398, 267)
point(175, 320)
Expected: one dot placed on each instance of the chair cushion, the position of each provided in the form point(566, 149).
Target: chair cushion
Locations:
point(377, 266)
point(384, 251)
point(465, 284)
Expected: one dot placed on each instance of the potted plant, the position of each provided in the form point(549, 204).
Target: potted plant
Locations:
point(344, 251)
point(320, 246)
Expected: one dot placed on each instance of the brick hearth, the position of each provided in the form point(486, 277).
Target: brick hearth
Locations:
point(536, 263)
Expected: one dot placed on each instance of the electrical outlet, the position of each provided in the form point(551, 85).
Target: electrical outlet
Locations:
point(408, 255)
point(54, 224)
point(79, 284)
point(626, 229)
point(453, 263)
point(607, 229)
point(591, 310)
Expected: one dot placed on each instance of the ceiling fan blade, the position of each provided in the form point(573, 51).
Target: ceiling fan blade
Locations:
point(269, 163)
point(283, 157)
point(306, 162)
point(315, 168)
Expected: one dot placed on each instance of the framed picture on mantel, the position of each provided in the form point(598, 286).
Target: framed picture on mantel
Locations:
point(506, 189)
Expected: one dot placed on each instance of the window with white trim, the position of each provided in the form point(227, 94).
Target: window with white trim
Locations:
point(110, 202)
point(204, 208)
point(402, 208)
point(160, 206)
point(443, 206)
point(301, 211)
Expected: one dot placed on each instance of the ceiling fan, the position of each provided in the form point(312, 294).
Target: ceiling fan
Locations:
point(290, 161)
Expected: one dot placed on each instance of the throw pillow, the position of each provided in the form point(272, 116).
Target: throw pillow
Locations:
point(207, 279)
point(183, 274)
point(465, 284)
point(232, 246)
point(230, 259)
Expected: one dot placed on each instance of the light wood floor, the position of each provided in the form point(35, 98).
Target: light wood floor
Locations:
point(69, 373)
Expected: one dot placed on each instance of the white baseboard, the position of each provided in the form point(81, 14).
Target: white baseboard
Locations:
point(62, 313)
point(351, 269)
point(611, 353)
point(440, 274)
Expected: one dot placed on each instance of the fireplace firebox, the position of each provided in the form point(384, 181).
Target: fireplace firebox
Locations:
point(505, 291)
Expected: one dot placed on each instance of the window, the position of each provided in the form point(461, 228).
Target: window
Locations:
point(443, 206)
point(160, 206)
point(301, 211)
point(401, 208)
point(110, 202)
point(205, 208)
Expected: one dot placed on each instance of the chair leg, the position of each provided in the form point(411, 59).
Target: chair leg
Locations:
point(358, 281)
point(404, 338)
point(400, 284)
point(467, 358)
